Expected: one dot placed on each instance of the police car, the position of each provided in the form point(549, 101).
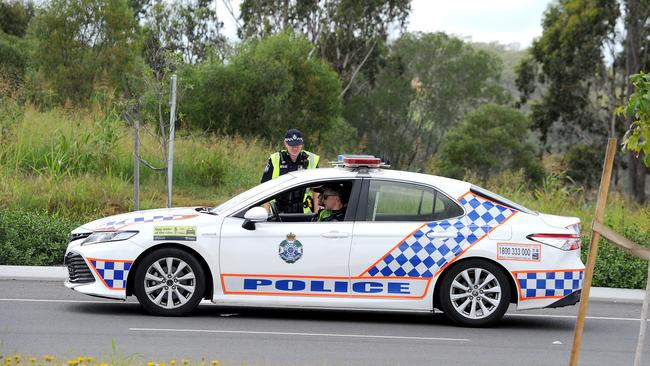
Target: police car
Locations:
point(409, 242)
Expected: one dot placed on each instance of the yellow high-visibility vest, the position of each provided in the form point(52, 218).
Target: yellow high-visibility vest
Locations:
point(313, 163)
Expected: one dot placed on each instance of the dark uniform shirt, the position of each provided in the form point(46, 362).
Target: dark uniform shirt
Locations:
point(291, 202)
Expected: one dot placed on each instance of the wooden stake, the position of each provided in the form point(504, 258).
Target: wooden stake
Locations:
point(593, 249)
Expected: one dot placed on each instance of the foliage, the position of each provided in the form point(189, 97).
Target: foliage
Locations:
point(13, 58)
point(33, 237)
point(491, 139)
point(80, 165)
point(82, 43)
point(15, 16)
point(428, 83)
point(584, 162)
point(637, 138)
point(614, 267)
point(349, 34)
point(568, 60)
point(189, 28)
point(269, 86)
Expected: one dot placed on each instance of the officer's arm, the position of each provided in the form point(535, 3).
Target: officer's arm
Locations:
point(268, 172)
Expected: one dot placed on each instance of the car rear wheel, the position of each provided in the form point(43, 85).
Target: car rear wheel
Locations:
point(169, 282)
point(475, 293)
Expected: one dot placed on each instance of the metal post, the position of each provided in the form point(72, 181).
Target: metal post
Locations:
point(170, 157)
point(593, 249)
point(136, 164)
point(644, 321)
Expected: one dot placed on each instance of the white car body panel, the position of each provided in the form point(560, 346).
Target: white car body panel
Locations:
point(355, 265)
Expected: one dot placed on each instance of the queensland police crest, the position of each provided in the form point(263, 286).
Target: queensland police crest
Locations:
point(290, 249)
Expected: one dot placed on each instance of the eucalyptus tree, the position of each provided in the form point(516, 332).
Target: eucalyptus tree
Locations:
point(582, 62)
point(79, 44)
point(349, 34)
point(429, 81)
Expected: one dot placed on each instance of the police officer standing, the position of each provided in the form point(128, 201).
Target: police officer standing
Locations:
point(291, 159)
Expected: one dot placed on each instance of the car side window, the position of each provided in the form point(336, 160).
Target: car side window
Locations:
point(396, 201)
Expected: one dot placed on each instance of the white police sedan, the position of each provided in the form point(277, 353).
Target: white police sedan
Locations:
point(409, 242)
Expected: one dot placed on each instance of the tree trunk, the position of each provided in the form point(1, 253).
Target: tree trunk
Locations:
point(637, 178)
point(633, 64)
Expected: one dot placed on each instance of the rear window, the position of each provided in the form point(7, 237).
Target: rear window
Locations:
point(500, 200)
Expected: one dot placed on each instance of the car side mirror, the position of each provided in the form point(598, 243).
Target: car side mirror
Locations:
point(255, 214)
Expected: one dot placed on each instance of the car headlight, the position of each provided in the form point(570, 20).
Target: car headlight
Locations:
point(104, 236)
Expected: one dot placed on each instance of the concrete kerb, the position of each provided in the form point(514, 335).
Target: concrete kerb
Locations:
point(36, 273)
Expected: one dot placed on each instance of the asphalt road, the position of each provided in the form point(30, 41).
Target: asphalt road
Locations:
point(44, 318)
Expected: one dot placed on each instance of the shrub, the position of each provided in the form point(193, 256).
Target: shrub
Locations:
point(491, 139)
point(616, 268)
point(33, 237)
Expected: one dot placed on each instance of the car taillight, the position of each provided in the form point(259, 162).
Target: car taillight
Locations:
point(561, 241)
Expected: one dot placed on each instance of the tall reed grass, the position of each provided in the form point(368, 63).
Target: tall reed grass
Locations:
point(80, 164)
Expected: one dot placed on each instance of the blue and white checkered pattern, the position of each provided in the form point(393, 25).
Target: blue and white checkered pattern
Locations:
point(112, 225)
point(418, 255)
point(113, 273)
point(548, 284)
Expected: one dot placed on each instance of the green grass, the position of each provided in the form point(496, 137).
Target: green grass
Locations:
point(81, 164)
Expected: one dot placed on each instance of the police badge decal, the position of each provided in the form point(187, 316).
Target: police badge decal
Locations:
point(291, 249)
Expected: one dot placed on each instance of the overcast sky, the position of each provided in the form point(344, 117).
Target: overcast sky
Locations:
point(505, 21)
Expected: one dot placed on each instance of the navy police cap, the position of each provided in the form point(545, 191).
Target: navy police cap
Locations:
point(293, 137)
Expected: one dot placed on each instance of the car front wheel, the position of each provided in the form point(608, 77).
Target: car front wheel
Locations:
point(475, 293)
point(169, 282)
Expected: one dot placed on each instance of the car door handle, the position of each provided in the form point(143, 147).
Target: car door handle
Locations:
point(441, 235)
point(334, 235)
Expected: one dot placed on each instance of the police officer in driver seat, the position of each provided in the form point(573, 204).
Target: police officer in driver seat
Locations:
point(333, 200)
point(291, 159)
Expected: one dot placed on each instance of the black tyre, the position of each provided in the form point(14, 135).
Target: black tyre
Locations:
point(169, 282)
point(475, 293)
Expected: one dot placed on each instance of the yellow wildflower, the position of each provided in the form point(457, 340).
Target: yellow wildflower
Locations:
point(186, 362)
point(48, 358)
point(73, 362)
point(214, 362)
point(172, 362)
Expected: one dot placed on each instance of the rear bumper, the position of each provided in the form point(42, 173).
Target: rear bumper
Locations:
point(571, 299)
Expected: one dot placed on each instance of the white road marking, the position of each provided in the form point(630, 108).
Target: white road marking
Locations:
point(573, 317)
point(60, 301)
point(297, 334)
point(206, 302)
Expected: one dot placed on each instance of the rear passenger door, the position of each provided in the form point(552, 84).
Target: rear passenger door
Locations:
point(392, 243)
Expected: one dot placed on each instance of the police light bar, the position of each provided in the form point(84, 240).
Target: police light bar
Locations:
point(359, 161)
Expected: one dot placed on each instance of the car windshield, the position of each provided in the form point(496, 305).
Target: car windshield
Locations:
point(251, 193)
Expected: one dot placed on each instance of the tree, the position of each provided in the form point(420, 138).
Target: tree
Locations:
point(568, 60)
point(636, 59)
point(269, 86)
point(637, 138)
point(349, 34)
point(15, 16)
point(490, 140)
point(80, 43)
point(581, 88)
point(429, 82)
point(189, 27)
